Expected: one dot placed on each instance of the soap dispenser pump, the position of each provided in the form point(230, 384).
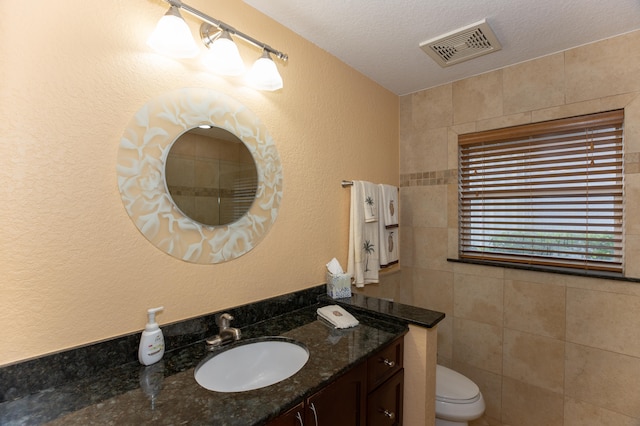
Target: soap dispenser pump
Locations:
point(152, 341)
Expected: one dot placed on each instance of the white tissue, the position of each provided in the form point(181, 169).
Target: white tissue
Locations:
point(334, 267)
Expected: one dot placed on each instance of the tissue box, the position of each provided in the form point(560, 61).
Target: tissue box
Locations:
point(338, 285)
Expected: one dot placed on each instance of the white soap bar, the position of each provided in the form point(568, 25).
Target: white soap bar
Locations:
point(337, 316)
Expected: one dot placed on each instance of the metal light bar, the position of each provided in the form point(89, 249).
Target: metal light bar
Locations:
point(221, 25)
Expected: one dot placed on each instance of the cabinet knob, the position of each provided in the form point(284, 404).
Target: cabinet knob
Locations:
point(389, 363)
point(390, 414)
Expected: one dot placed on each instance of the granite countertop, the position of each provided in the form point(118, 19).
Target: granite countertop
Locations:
point(167, 393)
point(389, 309)
point(116, 397)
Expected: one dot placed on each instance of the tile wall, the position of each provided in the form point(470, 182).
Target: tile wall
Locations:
point(545, 349)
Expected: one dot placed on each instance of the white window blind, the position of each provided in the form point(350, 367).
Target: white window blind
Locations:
point(548, 193)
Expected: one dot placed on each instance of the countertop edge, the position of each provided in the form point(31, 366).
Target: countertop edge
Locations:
point(389, 309)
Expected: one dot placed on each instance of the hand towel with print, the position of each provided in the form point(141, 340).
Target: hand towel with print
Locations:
point(389, 232)
point(371, 195)
point(363, 258)
point(389, 204)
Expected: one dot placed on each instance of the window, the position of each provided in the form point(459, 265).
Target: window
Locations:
point(547, 194)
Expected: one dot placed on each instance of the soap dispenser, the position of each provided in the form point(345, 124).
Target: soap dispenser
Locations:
point(152, 341)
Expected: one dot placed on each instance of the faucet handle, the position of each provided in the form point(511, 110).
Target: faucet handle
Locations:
point(225, 321)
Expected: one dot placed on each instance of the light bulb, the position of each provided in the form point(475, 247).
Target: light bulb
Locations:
point(223, 56)
point(264, 74)
point(172, 36)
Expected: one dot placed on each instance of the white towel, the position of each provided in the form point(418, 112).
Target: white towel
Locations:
point(337, 316)
point(363, 259)
point(371, 195)
point(389, 203)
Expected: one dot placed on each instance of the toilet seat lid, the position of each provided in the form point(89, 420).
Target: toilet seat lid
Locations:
point(453, 386)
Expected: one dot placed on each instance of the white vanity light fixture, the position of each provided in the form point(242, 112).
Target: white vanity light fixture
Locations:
point(222, 56)
point(172, 36)
point(264, 74)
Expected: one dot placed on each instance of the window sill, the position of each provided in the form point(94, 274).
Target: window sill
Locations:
point(548, 269)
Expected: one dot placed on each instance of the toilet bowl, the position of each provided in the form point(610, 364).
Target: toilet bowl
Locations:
point(458, 399)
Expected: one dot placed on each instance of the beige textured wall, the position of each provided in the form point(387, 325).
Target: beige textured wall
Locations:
point(74, 269)
point(545, 349)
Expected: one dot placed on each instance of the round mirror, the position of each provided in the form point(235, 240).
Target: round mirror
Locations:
point(143, 165)
point(211, 176)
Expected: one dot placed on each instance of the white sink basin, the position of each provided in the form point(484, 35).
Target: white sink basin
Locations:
point(251, 365)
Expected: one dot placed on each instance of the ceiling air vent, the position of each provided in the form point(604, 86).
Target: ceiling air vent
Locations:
point(462, 44)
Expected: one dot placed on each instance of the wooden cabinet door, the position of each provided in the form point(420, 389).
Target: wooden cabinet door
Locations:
point(293, 417)
point(342, 403)
point(384, 405)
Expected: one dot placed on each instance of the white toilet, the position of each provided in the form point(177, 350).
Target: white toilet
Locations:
point(458, 399)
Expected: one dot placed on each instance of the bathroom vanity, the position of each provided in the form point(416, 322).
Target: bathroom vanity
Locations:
point(362, 367)
point(368, 394)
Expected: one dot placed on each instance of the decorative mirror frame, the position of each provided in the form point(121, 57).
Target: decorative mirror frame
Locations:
point(142, 155)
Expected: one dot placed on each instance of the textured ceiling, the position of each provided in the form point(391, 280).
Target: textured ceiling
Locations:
point(381, 38)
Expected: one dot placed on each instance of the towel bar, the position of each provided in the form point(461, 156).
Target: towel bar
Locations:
point(346, 183)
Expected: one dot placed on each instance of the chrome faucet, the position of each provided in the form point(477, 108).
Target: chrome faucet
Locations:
point(226, 334)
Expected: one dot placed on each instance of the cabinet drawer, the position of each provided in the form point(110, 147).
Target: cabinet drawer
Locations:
point(384, 405)
point(384, 364)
